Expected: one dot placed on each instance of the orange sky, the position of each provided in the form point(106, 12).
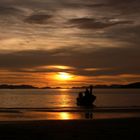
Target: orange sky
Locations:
point(85, 42)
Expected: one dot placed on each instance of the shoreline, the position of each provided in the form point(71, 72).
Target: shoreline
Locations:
point(74, 109)
point(40, 115)
point(71, 129)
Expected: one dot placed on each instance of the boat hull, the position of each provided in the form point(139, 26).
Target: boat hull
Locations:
point(86, 101)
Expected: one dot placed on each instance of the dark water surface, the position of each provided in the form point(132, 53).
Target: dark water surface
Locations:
point(49, 98)
point(38, 104)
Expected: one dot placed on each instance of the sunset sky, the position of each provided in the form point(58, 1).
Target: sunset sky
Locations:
point(69, 42)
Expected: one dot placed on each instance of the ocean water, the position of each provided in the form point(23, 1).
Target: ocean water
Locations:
point(44, 104)
point(60, 98)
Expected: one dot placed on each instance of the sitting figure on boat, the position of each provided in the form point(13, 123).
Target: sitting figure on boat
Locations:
point(87, 99)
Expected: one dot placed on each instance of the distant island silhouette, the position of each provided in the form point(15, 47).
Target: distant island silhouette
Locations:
point(6, 86)
point(114, 86)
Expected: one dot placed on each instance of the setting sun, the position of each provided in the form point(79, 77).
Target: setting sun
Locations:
point(64, 76)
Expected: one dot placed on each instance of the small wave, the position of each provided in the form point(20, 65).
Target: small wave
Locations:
point(72, 109)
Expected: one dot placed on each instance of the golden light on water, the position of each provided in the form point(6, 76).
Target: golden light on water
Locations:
point(68, 116)
point(65, 116)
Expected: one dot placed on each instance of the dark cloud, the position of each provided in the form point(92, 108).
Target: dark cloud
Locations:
point(110, 61)
point(11, 15)
point(99, 5)
point(124, 2)
point(38, 18)
point(6, 10)
point(130, 35)
point(12, 11)
point(74, 5)
point(89, 23)
point(125, 7)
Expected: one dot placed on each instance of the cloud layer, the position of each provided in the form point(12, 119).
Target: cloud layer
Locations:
point(96, 38)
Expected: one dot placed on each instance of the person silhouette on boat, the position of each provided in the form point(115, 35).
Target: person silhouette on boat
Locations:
point(87, 99)
point(87, 93)
point(92, 97)
point(91, 89)
point(80, 98)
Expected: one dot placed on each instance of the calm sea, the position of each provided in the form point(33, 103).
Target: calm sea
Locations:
point(60, 104)
point(60, 98)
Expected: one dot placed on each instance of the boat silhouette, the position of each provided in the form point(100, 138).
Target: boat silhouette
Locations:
point(86, 101)
point(86, 98)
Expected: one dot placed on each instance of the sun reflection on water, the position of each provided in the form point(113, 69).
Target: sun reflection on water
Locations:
point(65, 116)
point(64, 99)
